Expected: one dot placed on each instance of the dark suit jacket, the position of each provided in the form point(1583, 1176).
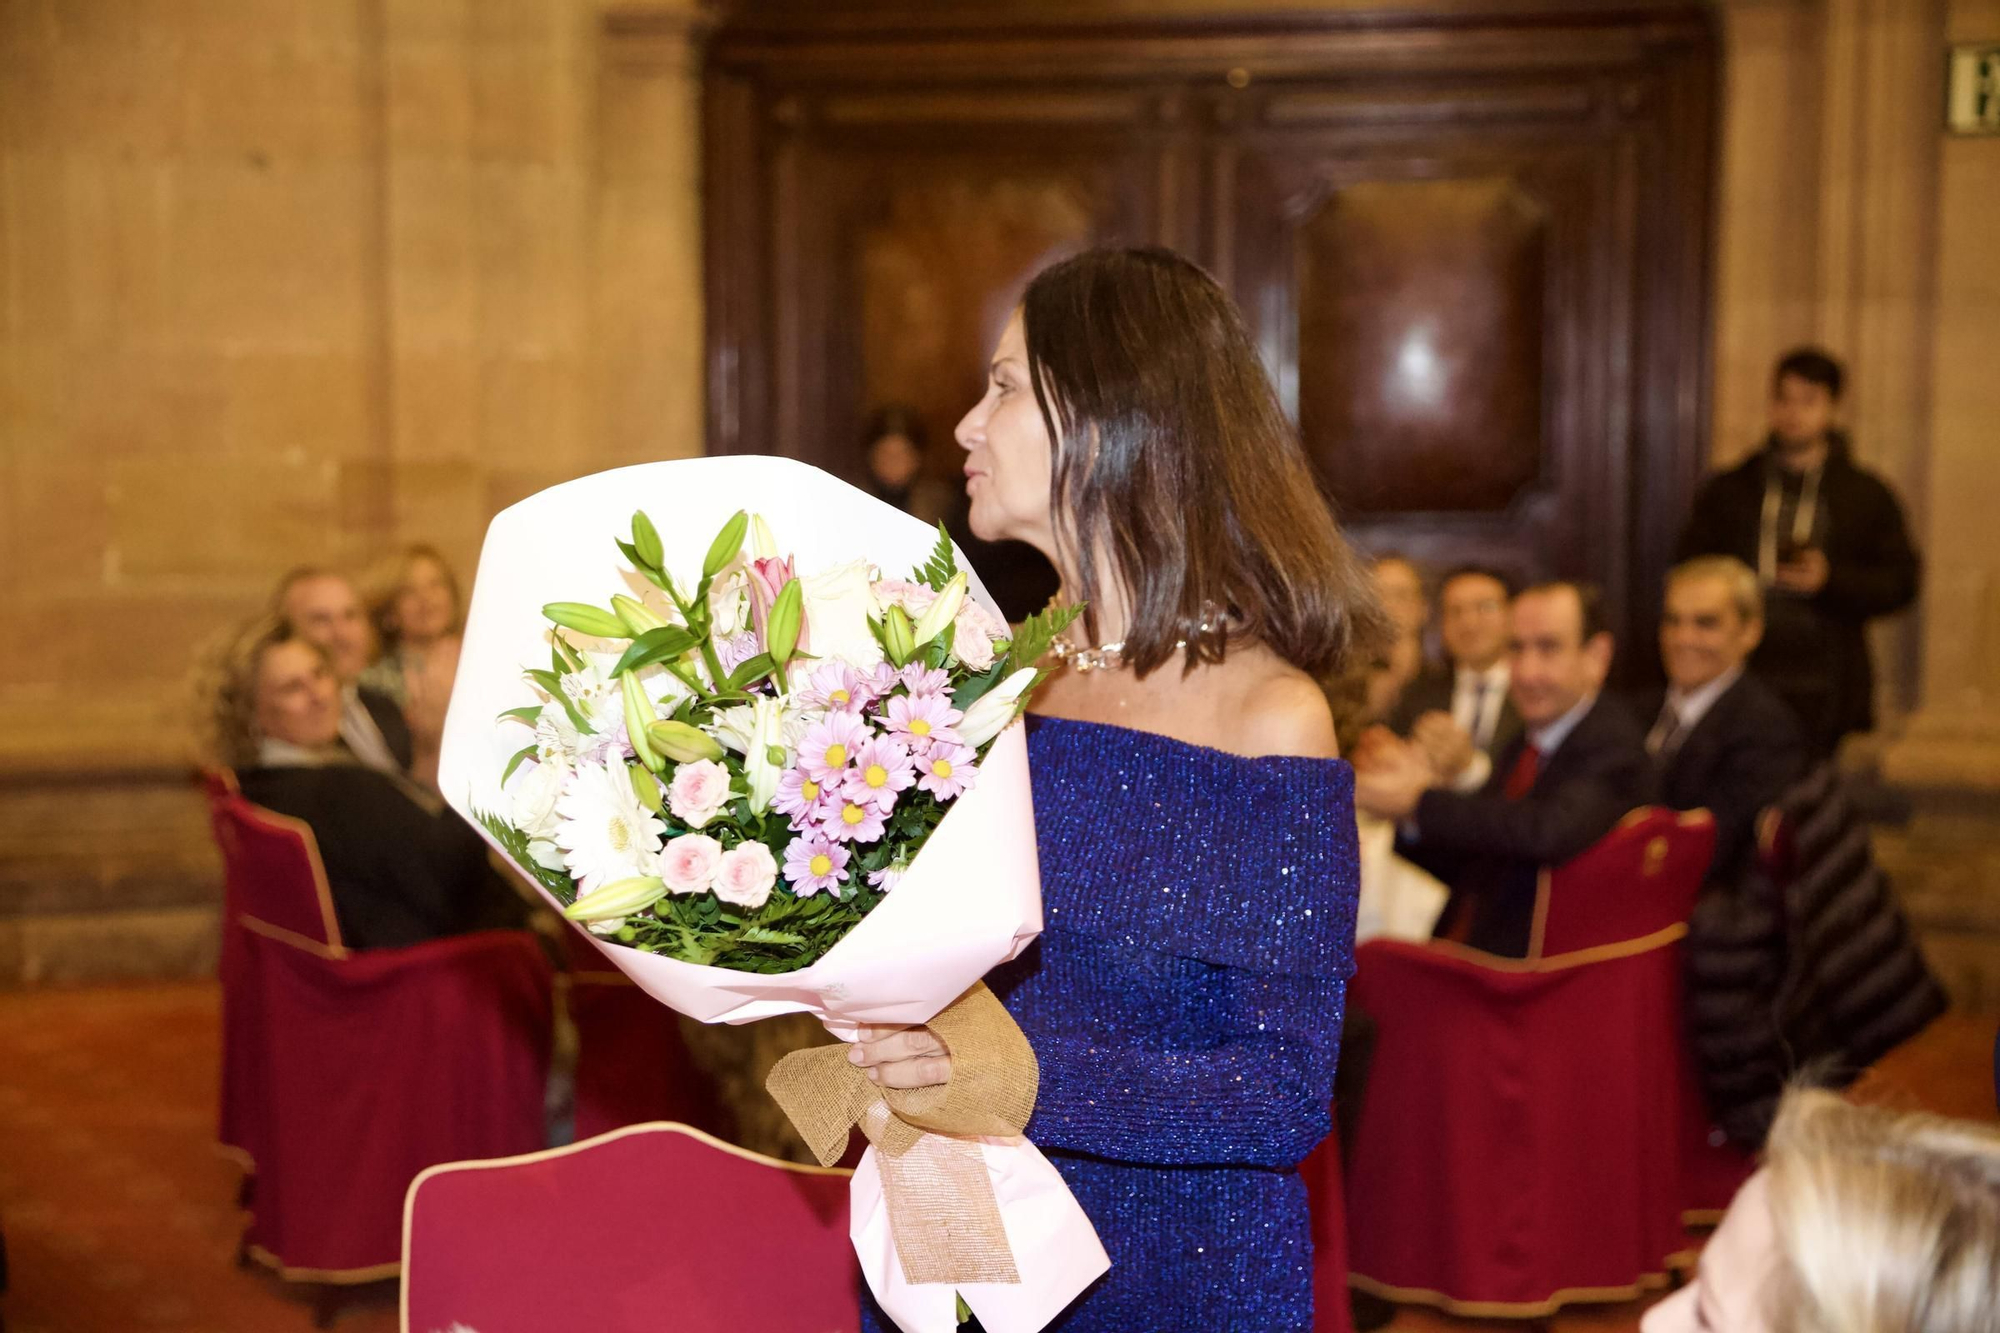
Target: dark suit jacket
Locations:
point(1489, 850)
point(1430, 692)
point(399, 874)
point(1815, 653)
point(1736, 763)
point(389, 719)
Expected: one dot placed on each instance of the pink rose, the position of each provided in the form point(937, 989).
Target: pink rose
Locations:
point(688, 863)
point(700, 789)
point(745, 875)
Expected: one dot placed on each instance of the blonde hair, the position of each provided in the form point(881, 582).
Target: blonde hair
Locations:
point(385, 583)
point(227, 688)
point(1885, 1222)
point(1745, 593)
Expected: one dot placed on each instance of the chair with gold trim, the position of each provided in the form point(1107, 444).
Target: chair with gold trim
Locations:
point(1522, 1142)
point(358, 1069)
point(645, 1228)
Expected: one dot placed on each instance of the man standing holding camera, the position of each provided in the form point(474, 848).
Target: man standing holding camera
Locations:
point(1829, 544)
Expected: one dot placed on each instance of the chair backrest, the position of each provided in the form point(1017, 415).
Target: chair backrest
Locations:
point(614, 1233)
point(273, 878)
point(1635, 883)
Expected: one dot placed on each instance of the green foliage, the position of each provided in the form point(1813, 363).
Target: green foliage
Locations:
point(515, 842)
point(942, 567)
point(524, 753)
point(669, 643)
point(552, 686)
point(1036, 634)
point(784, 935)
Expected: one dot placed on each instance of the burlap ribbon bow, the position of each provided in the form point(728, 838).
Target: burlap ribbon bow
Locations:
point(942, 1211)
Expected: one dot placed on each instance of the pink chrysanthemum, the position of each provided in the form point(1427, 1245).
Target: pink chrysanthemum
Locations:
point(884, 678)
point(882, 769)
point(889, 876)
point(947, 770)
point(829, 745)
point(920, 679)
point(737, 649)
point(923, 721)
point(856, 821)
point(799, 797)
point(838, 687)
point(814, 864)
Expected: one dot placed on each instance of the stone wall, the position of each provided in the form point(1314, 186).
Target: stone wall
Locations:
point(287, 281)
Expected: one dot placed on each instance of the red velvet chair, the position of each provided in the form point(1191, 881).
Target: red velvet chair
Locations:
point(646, 1228)
point(1325, 1191)
point(632, 1066)
point(346, 1073)
point(1525, 1136)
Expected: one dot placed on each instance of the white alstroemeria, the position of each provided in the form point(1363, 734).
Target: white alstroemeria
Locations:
point(993, 710)
point(534, 797)
point(838, 602)
point(557, 741)
point(760, 769)
point(729, 602)
point(607, 834)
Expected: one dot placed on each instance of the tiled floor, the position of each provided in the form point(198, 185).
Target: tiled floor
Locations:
point(119, 1214)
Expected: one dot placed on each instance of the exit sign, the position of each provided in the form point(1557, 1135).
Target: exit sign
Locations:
point(1974, 106)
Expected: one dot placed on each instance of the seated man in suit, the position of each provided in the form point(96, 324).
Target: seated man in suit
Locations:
point(326, 610)
point(1576, 770)
point(1458, 714)
point(1724, 741)
point(401, 870)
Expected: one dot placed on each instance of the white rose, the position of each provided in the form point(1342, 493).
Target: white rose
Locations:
point(838, 602)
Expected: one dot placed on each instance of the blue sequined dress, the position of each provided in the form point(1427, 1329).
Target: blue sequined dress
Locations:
point(1184, 1002)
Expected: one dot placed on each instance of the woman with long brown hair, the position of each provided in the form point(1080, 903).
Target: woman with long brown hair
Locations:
point(1196, 826)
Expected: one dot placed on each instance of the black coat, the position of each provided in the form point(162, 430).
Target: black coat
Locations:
point(399, 874)
point(1490, 851)
point(1815, 971)
point(1815, 653)
point(1430, 690)
point(1735, 764)
point(389, 720)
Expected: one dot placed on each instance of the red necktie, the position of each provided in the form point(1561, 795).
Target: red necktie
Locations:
point(1521, 778)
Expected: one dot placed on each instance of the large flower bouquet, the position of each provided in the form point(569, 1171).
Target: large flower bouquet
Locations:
point(738, 776)
point(770, 776)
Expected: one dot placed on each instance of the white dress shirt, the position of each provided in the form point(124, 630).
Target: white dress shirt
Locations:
point(1476, 700)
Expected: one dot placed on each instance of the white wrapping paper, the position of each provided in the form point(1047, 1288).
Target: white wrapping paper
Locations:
point(971, 900)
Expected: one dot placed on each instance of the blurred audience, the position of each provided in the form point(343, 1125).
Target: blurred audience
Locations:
point(895, 448)
point(325, 609)
point(1460, 712)
point(417, 613)
point(1829, 544)
point(1723, 740)
point(1862, 1221)
point(1578, 767)
point(401, 870)
point(1400, 586)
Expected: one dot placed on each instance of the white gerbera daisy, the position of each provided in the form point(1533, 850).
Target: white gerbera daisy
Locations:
point(604, 832)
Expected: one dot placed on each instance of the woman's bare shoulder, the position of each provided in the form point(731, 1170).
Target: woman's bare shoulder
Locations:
point(1283, 711)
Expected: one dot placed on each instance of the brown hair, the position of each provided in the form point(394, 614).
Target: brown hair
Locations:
point(1884, 1222)
point(228, 688)
point(1589, 604)
point(1175, 465)
point(385, 583)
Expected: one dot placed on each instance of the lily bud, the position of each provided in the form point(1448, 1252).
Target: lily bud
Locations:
point(621, 898)
point(781, 628)
point(638, 713)
point(763, 545)
point(585, 619)
point(942, 611)
point(643, 786)
point(646, 539)
point(636, 616)
point(727, 546)
point(682, 743)
point(993, 710)
point(898, 636)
